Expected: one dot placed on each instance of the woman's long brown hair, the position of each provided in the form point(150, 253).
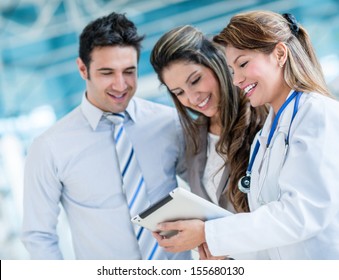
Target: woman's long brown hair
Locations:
point(240, 122)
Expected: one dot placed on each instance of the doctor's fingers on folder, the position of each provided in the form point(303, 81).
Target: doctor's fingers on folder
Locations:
point(191, 233)
point(205, 254)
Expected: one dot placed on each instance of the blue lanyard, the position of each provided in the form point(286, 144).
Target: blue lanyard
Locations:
point(295, 95)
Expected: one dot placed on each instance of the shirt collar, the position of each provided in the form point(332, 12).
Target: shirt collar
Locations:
point(93, 114)
point(131, 108)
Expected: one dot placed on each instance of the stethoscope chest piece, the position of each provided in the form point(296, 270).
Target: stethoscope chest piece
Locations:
point(244, 184)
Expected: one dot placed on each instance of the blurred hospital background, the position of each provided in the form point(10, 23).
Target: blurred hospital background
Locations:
point(39, 81)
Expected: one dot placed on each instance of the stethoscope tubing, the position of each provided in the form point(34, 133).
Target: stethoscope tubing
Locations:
point(244, 183)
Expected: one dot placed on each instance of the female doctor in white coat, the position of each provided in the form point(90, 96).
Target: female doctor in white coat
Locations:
point(292, 177)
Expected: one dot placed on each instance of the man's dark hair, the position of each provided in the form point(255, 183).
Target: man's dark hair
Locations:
point(112, 30)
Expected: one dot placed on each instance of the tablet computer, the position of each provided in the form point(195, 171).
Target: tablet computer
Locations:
point(179, 204)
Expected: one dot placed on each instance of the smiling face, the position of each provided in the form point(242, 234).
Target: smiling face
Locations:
point(259, 75)
point(195, 86)
point(112, 80)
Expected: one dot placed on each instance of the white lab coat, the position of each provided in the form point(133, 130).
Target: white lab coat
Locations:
point(299, 215)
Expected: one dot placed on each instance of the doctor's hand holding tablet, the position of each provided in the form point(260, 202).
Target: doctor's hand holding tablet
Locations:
point(175, 218)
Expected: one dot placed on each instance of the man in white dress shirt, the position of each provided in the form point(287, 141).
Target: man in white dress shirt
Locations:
point(74, 164)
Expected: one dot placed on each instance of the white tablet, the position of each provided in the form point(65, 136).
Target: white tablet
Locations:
point(179, 204)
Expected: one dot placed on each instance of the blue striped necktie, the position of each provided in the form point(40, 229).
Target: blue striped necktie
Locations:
point(134, 186)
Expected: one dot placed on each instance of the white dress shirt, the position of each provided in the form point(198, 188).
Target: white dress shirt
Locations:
point(75, 163)
point(294, 201)
point(213, 169)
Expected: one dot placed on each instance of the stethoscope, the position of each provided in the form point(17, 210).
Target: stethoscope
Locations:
point(244, 183)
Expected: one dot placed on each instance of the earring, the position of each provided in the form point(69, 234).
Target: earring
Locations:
point(281, 65)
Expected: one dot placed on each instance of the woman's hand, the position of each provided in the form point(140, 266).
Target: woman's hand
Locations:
point(191, 234)
point(205, 254)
